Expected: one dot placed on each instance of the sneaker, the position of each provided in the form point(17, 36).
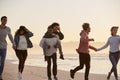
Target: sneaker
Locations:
point(55, 78)
point(19, 76)
point(72, 74)
point(108, 77)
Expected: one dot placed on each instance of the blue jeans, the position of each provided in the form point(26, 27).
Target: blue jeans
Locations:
point(114, 58)
point(2, 60)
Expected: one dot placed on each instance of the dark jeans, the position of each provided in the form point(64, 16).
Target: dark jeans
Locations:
point(22, 55)
point(2, 60)
point(114, 58)
point(84, 59)
point(54, 59)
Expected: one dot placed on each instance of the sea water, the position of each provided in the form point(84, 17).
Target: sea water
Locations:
point(100, 63)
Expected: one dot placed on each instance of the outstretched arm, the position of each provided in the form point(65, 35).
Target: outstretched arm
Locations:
point(93, 48)
point(103, 47)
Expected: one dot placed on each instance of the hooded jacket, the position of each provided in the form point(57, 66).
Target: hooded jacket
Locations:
point(84, 43)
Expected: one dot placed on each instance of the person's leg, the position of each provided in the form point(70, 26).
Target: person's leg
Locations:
point(54, 59)
point(114, 64)
point(24, 54)
point(87, 64)
point(117, 57)
point(20, 58)
point(81, 62)
point(2, 61)
point(49, 67)
point(81, 65)
point(112, 69)
point(109, 74)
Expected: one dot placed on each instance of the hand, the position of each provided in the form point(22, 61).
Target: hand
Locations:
point(61, 57)
point(27, 30)
point(92, 39)
point(95, 49)
point(14, 47)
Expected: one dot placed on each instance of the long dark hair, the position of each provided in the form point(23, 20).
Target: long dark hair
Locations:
point(21, 28)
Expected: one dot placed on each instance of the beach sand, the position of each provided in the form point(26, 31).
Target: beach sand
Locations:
point(39, 73)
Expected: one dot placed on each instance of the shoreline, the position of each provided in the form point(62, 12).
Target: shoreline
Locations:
point(39, 73)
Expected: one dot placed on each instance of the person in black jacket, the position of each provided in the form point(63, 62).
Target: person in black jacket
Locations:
point(57, 31)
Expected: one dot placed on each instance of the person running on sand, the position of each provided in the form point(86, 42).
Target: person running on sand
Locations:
point(83, 51)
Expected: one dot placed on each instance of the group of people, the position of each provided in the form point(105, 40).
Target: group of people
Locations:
point(84, 56)
point(20, 43)
point(50, 41)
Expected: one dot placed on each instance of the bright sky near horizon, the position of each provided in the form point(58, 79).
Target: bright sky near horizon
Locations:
point(36, 15)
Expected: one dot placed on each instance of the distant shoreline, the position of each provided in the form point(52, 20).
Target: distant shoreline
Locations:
point(100, 63)
point(39, 73)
